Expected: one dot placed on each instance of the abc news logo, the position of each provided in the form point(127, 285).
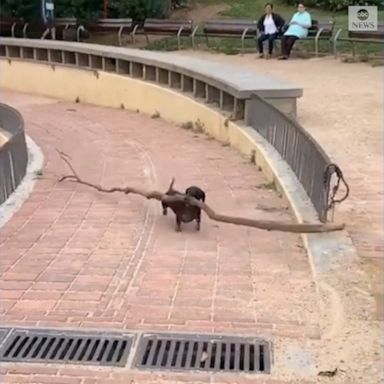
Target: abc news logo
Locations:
point(363, 18)
point(363, 22)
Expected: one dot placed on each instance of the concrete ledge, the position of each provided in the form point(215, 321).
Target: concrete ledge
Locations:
point(174, 71)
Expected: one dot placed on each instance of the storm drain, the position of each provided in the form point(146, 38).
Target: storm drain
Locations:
point(66, 347)
point(3, 333)
point(206, 353)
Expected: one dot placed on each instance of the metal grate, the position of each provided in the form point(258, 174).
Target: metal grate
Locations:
point(66, 347)
point(3, 334)
point(207, 353)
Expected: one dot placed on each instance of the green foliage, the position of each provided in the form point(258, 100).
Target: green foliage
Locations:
point(335, 5)
point(27, 9)
point(88, 9)
point(239, 6)
point(140, 9)
point(338, 5)
point(82, 9)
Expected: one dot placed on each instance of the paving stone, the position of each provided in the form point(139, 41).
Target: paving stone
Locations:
point(76, 257)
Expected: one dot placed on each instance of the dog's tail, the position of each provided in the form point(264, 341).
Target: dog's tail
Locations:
point(170, 188)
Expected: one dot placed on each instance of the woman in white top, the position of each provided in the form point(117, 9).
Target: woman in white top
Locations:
point(269, 26)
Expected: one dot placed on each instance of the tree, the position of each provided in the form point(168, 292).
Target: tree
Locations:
point(81, 9)
point(88, 9)
point(139, 10)
point(27, 9)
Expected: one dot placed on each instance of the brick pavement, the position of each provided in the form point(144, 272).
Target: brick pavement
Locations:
point(73, 257)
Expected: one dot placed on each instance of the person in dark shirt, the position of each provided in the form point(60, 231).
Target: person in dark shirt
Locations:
point(270, 27)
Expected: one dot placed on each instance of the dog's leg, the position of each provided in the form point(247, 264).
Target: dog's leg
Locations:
point(164, 209)
point(178, 224)
point(198, 220)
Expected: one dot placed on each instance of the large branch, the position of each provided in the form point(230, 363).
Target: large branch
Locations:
point(260, 224)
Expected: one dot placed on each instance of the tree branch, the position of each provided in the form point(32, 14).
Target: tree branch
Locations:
point(178, 196)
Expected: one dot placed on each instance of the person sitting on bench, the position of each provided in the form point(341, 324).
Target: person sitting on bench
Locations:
point(298, 28)
point(269, 26)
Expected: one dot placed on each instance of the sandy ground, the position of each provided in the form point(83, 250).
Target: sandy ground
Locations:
point(200, 12)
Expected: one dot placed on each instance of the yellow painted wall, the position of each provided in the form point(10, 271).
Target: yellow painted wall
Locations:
point(112, 90)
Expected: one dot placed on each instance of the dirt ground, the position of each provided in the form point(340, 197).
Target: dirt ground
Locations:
point(199, 13)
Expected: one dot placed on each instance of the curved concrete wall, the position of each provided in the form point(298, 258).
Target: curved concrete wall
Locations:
point(13, 151)
point(214, 83)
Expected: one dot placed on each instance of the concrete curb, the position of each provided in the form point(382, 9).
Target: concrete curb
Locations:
point(324, 249)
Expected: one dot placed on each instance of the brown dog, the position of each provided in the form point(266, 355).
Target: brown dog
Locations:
point(185, 212)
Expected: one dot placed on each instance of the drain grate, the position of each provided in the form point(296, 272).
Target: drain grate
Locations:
point(66, 347)
point(3, 334)
point(207, 353)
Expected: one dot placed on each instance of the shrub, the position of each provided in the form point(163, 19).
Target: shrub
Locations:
point(338, 5)
point(88, 9)
point(139, 10)
point(27, 9)
point(335, 5)
point(81, 9)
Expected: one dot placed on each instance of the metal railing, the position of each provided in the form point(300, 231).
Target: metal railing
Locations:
point(13, 154)
point(297, 147)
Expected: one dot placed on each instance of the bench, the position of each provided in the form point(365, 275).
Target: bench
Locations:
point(320, 30)
point(59, 26)
point(11, 27)
point(167, 27)
point(367, 37)
point(109, 25)
point(35, 29)
point(228, 28)
point(61, 29)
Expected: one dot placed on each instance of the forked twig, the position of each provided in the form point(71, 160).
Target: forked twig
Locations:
point(260, 224)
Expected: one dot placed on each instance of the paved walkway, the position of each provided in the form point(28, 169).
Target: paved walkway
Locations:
point(72, 257)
